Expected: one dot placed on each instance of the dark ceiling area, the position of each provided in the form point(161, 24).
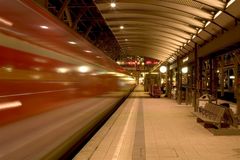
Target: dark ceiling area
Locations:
point(84, 17)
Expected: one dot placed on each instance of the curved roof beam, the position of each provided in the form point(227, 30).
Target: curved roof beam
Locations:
point(139, 21)
point(156, 16)
point(214, 3)
point(150, 44)
point(104, 8)
point(150, 38)
point(154, 56)
point(158, 5)
point(154, 41)
point(164, 34)
point(155, 29)
point(157, 49)
point(146, 52)
point(160, 13)
point(162, 25)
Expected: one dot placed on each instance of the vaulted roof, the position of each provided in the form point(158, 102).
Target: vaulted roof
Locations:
point(165, 29)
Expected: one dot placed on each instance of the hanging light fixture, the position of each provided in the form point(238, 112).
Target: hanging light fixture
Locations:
point(185, 70)
point(163, 69)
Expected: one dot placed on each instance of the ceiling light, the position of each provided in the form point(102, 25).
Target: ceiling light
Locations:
point(71, 42)
point(126, 40)
point(98, 57)
point(200, 30)
point(121, 27)
point(113, 5)
point(229, 3)
point(208, 22)
point(185, 70)
point(44, 27)
point(163, 69)
point(185, 59)
point(217, 14)
point(232, 77)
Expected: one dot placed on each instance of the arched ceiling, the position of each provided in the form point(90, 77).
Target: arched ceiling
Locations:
point(162, 29)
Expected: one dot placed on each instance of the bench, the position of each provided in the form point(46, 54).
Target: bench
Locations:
point(211, 114)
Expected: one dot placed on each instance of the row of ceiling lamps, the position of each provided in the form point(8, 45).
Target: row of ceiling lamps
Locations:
point(208, 22)
point(113, 5)
point(163, 69)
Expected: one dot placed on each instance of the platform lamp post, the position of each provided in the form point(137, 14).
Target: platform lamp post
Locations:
point(163, 69)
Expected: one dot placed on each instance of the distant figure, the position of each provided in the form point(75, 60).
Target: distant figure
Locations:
point(173, 92)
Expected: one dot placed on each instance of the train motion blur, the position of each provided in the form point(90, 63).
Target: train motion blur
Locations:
point(54, 85)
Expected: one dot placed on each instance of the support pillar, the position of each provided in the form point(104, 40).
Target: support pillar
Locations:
point(237, 83)
point(159, 81)
point(179, 81)
point(222, 76)
point(238, 92)
point(189, 86)
point(215, 78)
point(211, 76)
point(199, 77)
point(169, 81)
point(195, 78)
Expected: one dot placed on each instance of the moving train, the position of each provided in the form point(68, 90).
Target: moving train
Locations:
point(54, 85)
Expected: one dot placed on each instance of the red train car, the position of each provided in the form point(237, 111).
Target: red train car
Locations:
point(54, 85)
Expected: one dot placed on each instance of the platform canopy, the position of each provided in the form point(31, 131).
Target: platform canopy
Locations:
point(165, 29)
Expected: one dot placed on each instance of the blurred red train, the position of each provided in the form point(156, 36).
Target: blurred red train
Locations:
point(54, 85)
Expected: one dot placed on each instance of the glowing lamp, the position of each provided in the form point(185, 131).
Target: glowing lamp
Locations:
point(113, 5)
point(185, 70)
point(163, 69)
point(232, 77)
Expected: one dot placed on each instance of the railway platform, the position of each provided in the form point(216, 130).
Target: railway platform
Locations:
point(146, 128)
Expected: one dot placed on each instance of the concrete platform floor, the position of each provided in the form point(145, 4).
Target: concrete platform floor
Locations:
point(145, 128)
